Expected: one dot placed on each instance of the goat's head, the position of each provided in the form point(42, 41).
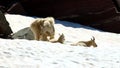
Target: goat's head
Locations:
point(92, 42)
point(61, 39)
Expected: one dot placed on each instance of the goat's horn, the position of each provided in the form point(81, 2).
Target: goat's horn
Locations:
point(93, 38)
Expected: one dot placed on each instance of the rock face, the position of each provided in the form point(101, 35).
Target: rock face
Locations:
point(67, 8)
point(93, 13)
point(62, 8)
point(16, 8)
point(86, 12)
point(5, 29)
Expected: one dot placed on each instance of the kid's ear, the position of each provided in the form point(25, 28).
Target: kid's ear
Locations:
point(91, 39)
point(61, 34)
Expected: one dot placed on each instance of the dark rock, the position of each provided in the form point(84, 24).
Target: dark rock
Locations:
point(5, 29)
point(66, 8)
point(16, 8)
point(111, 24)
point(86, 12)
point(2, 8)
point(6, 4)
point(117, 3)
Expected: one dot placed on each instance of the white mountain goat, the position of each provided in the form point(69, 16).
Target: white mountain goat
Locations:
point(43, 28)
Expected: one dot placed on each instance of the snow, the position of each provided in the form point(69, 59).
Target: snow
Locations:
point(21, 53)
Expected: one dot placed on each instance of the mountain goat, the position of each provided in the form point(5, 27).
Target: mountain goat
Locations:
point(43, 28)
point(61, 39)
point(86, 43)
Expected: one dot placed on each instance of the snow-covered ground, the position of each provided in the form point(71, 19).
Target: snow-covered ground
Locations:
point(21, 53)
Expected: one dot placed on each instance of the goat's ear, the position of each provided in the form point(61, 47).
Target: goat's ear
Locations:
point(59, 34)
point(62, 34)
point(93, 38)
point(51, 20)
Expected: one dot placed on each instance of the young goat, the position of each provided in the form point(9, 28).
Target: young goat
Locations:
point(86, 43)
point(61, 39)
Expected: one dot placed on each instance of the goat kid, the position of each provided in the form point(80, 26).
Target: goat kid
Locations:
point(61, 39)
point(86, 43)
